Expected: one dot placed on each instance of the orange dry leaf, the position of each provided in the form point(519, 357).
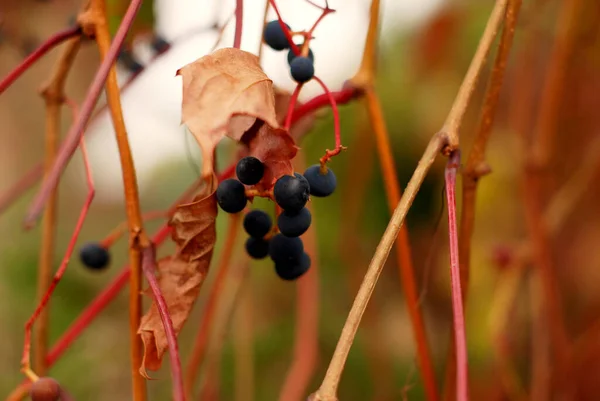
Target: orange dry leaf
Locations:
point(180, 276)
point(224, 94)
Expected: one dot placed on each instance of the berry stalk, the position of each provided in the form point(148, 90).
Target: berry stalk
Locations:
point(336, 125)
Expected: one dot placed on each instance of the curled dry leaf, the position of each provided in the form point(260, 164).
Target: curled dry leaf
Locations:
point(180, 276)
point(225, 93)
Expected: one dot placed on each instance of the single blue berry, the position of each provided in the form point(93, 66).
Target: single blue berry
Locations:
point(231, 196)
point(321, 185)
point(302, 69)
point(292, 270)
point(250, 170)
point(292, 56)
point(275, 37)
point(257, 223)
point(94, 256)
point(294, 224)
point(291, 193)
point(257, 248)
point(284, 249)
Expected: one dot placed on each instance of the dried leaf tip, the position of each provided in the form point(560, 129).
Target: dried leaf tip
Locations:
point(180, 276)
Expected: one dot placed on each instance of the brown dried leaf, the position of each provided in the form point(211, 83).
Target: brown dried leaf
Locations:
point(180, 276)
point(224, 93)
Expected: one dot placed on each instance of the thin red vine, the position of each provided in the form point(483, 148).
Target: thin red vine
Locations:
point(457, 303)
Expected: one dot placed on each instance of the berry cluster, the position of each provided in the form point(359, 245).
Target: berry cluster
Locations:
point(291, 194)
point(302, 67)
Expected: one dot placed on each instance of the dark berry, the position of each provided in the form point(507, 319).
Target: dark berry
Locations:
point(127, 59)
point(231, 196)
point(257, 248)
point(284, 249)
point(250, 170)
point(45, 389)
point(293, 270)
point(94, 256)
point(275, 37)
point(321, 185)
point(292, 56)
point(257, 223)
point(291, 193)
point(302, 69)
point(301, 177)
point(294, 224)
point(160, 45)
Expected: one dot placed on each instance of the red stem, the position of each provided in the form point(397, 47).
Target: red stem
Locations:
point(286, 31)
point(292, 106)
point(457, 303)
point(64, 263)
point(51, 42)
point(336, 123)
point(149, 267)
point(76, 132)
point(239, 21)
point(341, 97)
point(23, 184)
point(326, 11)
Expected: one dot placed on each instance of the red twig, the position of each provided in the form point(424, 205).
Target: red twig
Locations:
point(326, 10)
point(32, 176)
point(63, 266)
point(336, 124)
point(292, 106)
point(312, 3)
point(286, 31)
point(76, 132)
point(50, 43)
point(457, 304)
point(18, 188)
point(239, 23)
point(149, 267)
point(341, 97)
